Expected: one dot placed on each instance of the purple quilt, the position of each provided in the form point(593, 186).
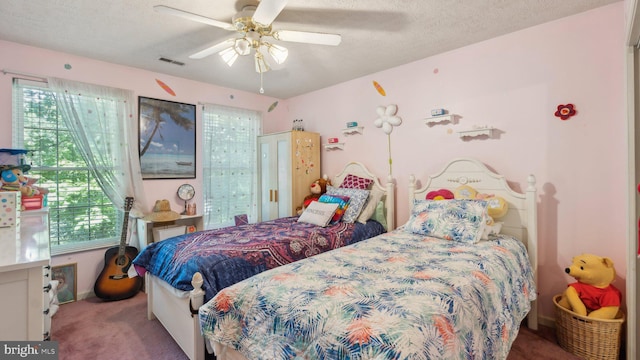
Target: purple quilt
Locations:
point(229, 255)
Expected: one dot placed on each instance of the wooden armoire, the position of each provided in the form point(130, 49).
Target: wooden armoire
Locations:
point(288, 162)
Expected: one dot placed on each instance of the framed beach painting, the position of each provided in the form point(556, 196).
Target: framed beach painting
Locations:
point(167, 139)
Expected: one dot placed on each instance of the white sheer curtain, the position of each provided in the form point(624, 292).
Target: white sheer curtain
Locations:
point(229, 164)
point(103, 126)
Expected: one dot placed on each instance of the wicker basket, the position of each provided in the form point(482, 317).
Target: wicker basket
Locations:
point(586, 337)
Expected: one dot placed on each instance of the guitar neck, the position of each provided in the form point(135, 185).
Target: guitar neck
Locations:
point(128, 203)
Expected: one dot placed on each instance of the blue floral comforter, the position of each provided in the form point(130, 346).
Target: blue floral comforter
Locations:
point(395, 296)
point(229, 255)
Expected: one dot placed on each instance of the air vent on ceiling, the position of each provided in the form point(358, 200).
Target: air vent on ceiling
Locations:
point(171, 61)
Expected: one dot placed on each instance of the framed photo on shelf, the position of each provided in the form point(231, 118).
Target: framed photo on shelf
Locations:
point(67, 278)
point(167, 139)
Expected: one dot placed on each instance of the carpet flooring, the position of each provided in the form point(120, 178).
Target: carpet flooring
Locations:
point(93, 329)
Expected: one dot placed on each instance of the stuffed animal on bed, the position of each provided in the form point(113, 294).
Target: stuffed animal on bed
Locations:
point(317, 188)
point(592, 295)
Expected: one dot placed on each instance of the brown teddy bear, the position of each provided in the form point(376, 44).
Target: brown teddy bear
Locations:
point(317, 188)
point(593, 295)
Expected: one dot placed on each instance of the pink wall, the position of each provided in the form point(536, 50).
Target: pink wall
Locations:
point(43, 62)
point(514, 84)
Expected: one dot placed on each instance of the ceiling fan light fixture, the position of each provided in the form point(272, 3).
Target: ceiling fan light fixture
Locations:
point(277, 52)
point(261, 64)
point(242, 20)
point(229, 55)
point(242, 46)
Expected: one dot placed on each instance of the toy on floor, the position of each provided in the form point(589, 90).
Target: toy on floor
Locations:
point(592, 295)
point(317, 188)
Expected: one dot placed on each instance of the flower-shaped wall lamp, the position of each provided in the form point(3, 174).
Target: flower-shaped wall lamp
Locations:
point(386, 120)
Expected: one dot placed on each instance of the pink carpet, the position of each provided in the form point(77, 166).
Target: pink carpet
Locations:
point(94, 330)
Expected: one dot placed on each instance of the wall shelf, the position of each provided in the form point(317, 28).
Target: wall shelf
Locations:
point(334, 146)
point(440, 119)
point(485, 131)
point(353, 130)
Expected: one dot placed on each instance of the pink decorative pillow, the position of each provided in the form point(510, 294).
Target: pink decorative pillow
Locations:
point(356, 182)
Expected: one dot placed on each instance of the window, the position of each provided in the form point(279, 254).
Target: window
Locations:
point(229, 164)
point(81, 215)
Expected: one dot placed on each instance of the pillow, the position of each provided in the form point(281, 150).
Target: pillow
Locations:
point(356, 182)
point(318, 213)
point(464, 192)
point(358, 198)
point(370, 206)
point(380, 215)
point(497, 207)
point(442, 194)
point(455, 220)
point(343, 205)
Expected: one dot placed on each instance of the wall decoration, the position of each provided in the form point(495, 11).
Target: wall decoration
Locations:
point(564, 112)
point(167, 139)
point(379, 88)
point(485, 132)
point(67, 66)
point(297, 125)
point(386, 120)
point(304, 154)
point(67, 278)
point(166, 87)
point(273, 106)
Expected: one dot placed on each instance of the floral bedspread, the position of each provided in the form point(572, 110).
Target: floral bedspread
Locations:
point(395, 296)
point(228, 255)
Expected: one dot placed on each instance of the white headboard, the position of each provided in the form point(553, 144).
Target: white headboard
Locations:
point(521, 219)
point(358, 169)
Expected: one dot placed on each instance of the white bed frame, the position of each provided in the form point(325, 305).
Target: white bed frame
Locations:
point(521, 219)
point(172, 307)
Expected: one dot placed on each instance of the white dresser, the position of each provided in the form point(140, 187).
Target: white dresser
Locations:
point(25, 275)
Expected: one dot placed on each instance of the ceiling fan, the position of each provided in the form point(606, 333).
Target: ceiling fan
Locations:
point(253, 32)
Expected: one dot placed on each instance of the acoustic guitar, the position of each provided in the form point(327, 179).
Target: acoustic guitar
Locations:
point(113, 283)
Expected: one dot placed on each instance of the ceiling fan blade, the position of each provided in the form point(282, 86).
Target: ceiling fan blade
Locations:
point(193, 17)
point(307, 37)
point(267, 11)
point(213, 49)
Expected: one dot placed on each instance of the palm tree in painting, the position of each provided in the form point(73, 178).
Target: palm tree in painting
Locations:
point(156, 112)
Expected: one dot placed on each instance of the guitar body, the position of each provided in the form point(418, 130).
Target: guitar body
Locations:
point(114, 283)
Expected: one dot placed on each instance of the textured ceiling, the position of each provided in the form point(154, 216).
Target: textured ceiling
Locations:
point(376, 34)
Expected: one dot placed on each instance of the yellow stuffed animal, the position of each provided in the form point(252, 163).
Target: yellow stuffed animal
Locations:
point(593, 295)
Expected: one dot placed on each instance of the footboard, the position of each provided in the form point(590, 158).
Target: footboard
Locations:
point(175, 315)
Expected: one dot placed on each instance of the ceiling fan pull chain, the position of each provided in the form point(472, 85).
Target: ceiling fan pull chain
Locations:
point(261, 88)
